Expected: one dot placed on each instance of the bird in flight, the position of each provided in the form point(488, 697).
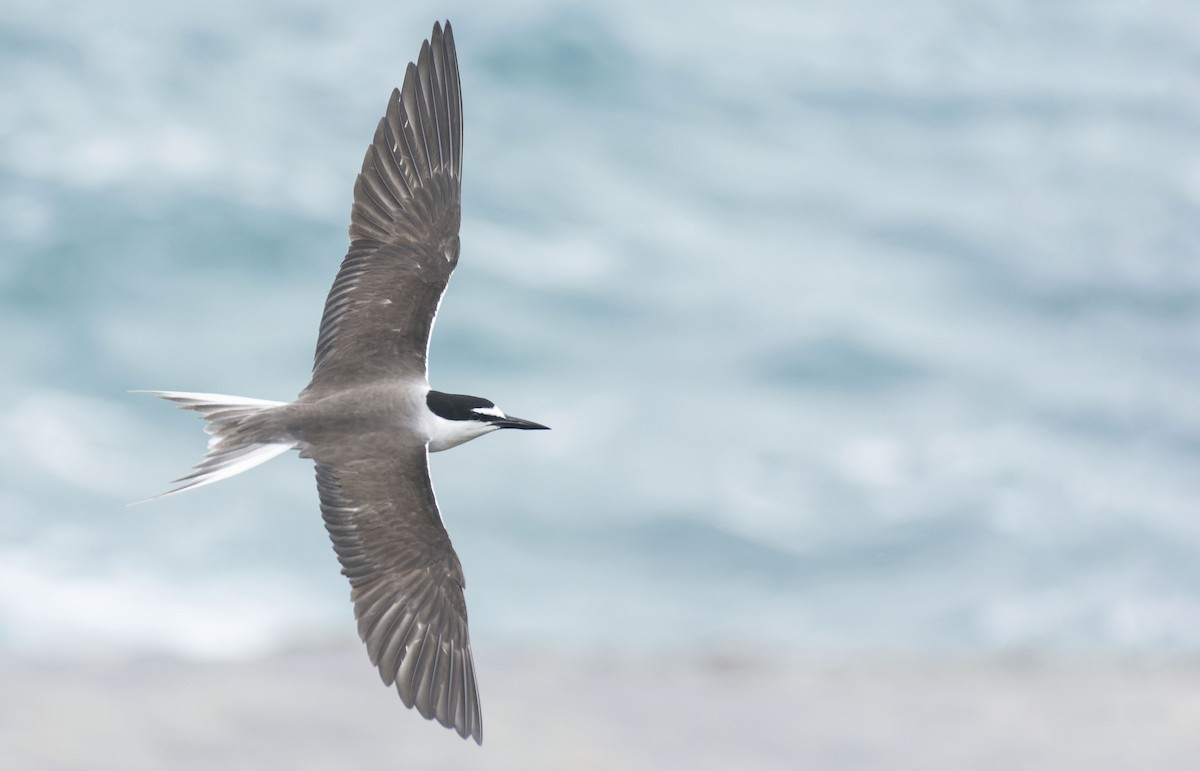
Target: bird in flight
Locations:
point(368, 418)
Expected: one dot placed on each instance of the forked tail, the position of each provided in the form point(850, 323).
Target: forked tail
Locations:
point(241, 435)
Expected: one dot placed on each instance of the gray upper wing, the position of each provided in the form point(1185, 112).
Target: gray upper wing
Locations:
point(406, 581)
point(403, 231)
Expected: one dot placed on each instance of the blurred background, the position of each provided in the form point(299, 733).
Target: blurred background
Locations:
point(867, 331)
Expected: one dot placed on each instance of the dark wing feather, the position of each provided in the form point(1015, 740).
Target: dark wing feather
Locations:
point(406, 581)
point(403, 231)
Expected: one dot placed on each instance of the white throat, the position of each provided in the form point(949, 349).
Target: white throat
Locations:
point(444, 434)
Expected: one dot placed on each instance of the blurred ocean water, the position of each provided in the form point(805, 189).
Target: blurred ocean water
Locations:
point(859, 324)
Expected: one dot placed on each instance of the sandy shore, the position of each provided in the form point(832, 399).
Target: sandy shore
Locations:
point(560, 709)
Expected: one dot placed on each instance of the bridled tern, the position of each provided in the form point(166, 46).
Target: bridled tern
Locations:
point(368, 417)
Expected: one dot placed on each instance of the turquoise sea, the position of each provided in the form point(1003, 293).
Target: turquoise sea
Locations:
point(860, 325)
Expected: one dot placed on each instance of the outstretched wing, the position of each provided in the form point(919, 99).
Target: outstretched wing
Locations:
point(406, 581)
point(403, 231)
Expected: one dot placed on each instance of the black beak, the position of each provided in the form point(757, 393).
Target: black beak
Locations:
point(511, 422)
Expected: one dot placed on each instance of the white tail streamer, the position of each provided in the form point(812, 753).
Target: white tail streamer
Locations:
point(238, 437)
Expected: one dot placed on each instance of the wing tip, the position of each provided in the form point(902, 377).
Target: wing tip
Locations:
point(427, 689)
point(444, 33)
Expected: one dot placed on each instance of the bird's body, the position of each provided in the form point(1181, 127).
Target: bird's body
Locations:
point(368, 418)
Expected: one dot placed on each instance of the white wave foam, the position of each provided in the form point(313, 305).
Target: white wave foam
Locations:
point(83, 613)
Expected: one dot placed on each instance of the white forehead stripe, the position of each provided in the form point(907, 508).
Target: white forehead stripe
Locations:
point(493, 411)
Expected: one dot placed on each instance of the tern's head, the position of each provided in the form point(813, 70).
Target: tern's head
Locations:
point(456, 418)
